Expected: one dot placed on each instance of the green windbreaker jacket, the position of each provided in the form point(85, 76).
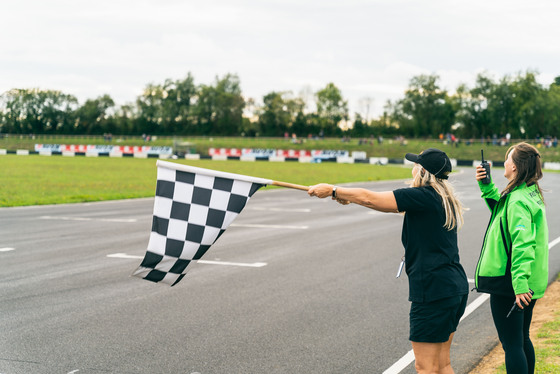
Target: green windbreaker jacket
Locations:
point(514, 254)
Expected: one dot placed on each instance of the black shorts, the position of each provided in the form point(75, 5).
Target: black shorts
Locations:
point(433, 322)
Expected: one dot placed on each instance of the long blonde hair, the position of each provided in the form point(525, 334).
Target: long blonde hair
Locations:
point(453, 207)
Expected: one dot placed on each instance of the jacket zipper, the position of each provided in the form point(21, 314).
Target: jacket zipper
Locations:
point(492, 216)
point(475, 288)
point(502, 233)
point(504, 241)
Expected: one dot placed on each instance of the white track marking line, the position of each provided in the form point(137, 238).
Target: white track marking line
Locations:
point(269, 226)
point(62, 218)
point(224, 263)
point(553, 243)
point(7, 249)
point(295, 210)
point(407, 359)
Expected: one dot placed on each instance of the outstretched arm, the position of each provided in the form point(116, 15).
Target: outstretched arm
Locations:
point(381, 201)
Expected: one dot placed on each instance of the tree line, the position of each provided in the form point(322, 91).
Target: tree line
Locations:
point(517, 105)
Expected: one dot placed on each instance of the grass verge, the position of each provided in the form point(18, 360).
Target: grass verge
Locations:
point(545, 335)
point(39, 180)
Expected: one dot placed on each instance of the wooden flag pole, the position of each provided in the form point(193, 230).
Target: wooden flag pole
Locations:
point(290, 185)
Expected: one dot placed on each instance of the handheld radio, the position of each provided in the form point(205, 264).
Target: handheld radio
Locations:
point(516, 307)
point(486, 167)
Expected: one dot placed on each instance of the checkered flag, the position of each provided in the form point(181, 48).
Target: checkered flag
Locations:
point(192, 209)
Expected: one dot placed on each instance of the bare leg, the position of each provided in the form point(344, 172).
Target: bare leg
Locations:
point(444, 357)
point(433, 358)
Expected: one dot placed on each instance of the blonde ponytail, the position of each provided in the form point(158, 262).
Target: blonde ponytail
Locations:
point(452, 206)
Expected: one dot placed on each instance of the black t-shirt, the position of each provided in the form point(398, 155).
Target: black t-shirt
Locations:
point(431, 252)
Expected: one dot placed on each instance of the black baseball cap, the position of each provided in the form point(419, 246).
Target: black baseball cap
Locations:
point(433, 160)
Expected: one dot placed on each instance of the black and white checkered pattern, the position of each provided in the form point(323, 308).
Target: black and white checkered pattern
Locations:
point(192, 209)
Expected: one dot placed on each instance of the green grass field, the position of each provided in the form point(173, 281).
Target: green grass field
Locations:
point(38, 180)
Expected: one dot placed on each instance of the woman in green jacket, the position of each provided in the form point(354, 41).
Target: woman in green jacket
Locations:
point(513, 264)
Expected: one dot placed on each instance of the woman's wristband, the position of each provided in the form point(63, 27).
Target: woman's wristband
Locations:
point(334, 192)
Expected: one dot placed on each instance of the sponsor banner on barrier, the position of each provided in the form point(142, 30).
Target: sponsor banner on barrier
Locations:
point(328, 154)
point(229, 152)
point(124, 149)
point(292, 153)
point(258, 152)
point(286, 153)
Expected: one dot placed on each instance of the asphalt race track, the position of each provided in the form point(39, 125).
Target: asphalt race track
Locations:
point(295, 285)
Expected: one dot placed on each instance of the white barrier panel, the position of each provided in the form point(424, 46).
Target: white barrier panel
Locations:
point(379, 160)
point(359, 155)
point(305, 159)
point(92, 154)
point(68, 154)
point(192, 157)
point(45, 153)
point(219, 157)
point(277, 159)
point(115, 154)
point(345, 160)
point(22, 152)
point(165, 157)
point(247, 158)
point(140, 155)
point(3, 152)
point(552, 165)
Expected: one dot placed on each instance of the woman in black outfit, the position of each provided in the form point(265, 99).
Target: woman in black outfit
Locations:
point(438, 284)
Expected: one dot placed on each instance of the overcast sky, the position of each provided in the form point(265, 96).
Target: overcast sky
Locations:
point(368, 49)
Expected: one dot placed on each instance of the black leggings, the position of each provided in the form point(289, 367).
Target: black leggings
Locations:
point(514, 334)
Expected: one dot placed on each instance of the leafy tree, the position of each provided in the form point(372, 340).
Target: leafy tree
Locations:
point(279, 113)
point(553, 108)
point(219, 108)
point(426, 109)
point(331, 109)
point(360, 127)
point(37, 111)
point(92, 116)
point(303, 125)
point(167, 108)
point(386, 125)
point(473, 112)
point(530, 106)
point(274, 118)
point(126, 120)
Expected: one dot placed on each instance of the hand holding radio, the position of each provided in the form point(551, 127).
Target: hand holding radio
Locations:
point(516, 307)
point(486, 167)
